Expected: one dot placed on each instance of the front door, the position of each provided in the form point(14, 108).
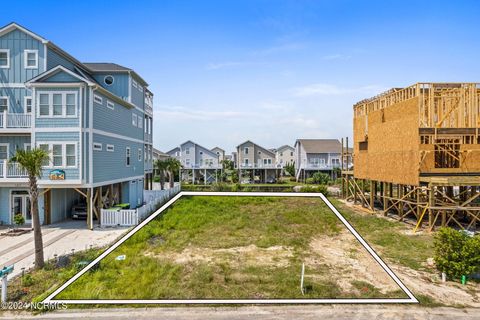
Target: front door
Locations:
point(21, 205)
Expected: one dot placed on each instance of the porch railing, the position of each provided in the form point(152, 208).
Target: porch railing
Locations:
point(15, 120)
point(9, 169)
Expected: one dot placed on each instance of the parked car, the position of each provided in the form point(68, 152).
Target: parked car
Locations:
point(79, 211)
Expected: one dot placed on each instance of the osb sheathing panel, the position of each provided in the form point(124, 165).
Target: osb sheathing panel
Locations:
point(469, 160)
point(393, 144)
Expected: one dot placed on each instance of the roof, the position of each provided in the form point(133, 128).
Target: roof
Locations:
point(218, 148)
point(160, 153)
point(173, 150)
point(264, 149)
point(111, 67)
point(285, 146)
point(320, 145)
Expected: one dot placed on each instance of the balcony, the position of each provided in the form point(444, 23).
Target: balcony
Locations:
point(11, 170)
point(201, 166)
point(259, 166)
point(15, 121)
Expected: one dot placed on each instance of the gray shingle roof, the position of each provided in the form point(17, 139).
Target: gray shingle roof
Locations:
point(105, 66)
point(321, 145)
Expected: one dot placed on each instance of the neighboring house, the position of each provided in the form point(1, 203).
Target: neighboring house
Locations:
point(95, 119)
point(159, 155)
point(317, 155)
point(198, 163)
point(174, 153)
point(220, 153)
point(284, 155)
point(256, 162)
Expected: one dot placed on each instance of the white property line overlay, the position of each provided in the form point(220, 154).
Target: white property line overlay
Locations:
point(411, 298)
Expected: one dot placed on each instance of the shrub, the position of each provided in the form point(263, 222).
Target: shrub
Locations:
point(320, 178)
point(18, 219)
point(309, 181)
point(319, 189)
point(456, 253)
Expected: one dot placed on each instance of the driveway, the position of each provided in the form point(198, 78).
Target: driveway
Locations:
point(59, 239)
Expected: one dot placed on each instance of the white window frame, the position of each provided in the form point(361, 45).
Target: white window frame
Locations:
point(97, 99)
point(140, 122)
point(64, 153)
point(134, 119)
point(97, 146)
point(110, 148)
point(245, 150)
point(8, 149)
point(140, 88)
point(64, 104)
point(8, 102)
point(140, 154)
point(25, 59)
point(7, 66)
point(128, 156)
point(25, 104)
point(113, 80)
point(110, 105)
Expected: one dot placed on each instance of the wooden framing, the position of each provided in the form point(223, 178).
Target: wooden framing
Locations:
point(417, 151)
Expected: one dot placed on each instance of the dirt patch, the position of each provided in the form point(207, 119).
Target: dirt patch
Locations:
point(275, 256)
point(350, 262)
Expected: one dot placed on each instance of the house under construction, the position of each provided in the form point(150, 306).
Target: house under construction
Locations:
point(417, 154)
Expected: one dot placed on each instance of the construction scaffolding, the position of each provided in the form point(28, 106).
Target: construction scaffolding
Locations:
point(417, 155)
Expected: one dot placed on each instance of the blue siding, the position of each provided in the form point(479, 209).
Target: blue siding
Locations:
point(138, 97)
point(15, 142)
point(62, 77)
point(112, 165)
point(62, 201)
point(17, 42)
point(16, 98)
point(119, 86)
point(4, 206)
point(103, 119)
point(54, 59)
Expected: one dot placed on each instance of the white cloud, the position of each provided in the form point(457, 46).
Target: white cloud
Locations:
point(184, 113)
point(324, 89)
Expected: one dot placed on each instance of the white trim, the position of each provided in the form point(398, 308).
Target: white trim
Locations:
point(25, 59)
point(113, 80)
point(410, 297)
point(64, 104)
point(25, 104)
point(45, 54)
point(14, 25)
point(8, 150)
point(8, 103)
point(32, 82)
point(134, 119)
point(64, 153)
point(102, 183)
point(134, 84)
point(90, 141)
point(11, 85)
point(110, 148)
point(8, 59)
point(97, 146)
point(57, 129)
point(97, 99)
point(118, 136)
point(110, 105)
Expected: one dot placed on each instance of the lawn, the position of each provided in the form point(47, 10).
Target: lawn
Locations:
point(238, 248)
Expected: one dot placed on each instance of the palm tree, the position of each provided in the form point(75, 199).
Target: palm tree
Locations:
point(161, 166)
point(32, 161)
point(173, 166)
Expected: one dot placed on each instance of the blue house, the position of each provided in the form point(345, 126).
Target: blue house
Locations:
point(95, 120)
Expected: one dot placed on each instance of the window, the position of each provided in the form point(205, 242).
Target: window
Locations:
point(246, 162)
point(57, 104)
point(4, 58)
point(97, 146)
point(140, 122)
point(187, 162)
point(146, 124)
point(140, 88)
point(134, 83)
point(3, 104)
point(44, 147)
point(187, 151)
point(110, 105)
point(4, 151)
point(57, 155)
point(97, 99)
point(127, 156)
point(30, 59)
point(281, 154)
point(139, 154)
point(108, 80)
point(201, 152)
point(110, 148)
point(70, 104)
point(28, 104)
point(44, 105)
point(134, 119)
point(291, 154)
point(245, 150)
point(70, 155)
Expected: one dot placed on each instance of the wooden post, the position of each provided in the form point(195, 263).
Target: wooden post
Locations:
point(385, 199)
point(89, 209)
point(372, 194)
point(354, 191)
point(431, 203)
point(110, 195)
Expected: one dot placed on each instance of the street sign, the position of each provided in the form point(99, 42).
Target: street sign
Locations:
point(6, 270)
point(3, 274)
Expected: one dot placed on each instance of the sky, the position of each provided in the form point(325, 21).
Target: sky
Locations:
point(223, 72)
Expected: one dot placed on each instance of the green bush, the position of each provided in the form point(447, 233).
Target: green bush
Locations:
point(320, 178)
point(18, 219)
point(456, 253)
point(309, 181)
point(319, 189)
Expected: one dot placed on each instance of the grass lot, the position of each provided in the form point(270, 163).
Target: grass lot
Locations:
point(226, 247)
point(263, 222)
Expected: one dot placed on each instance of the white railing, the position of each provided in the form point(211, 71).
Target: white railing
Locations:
point(11, 170)
point(131, 217)
point(15, 120)
point(202, 166)
point(258, 166)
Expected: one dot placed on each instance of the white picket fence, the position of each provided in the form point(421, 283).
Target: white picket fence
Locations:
point(132, 217)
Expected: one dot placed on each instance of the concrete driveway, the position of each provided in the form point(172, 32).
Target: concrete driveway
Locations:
point(59, 238)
